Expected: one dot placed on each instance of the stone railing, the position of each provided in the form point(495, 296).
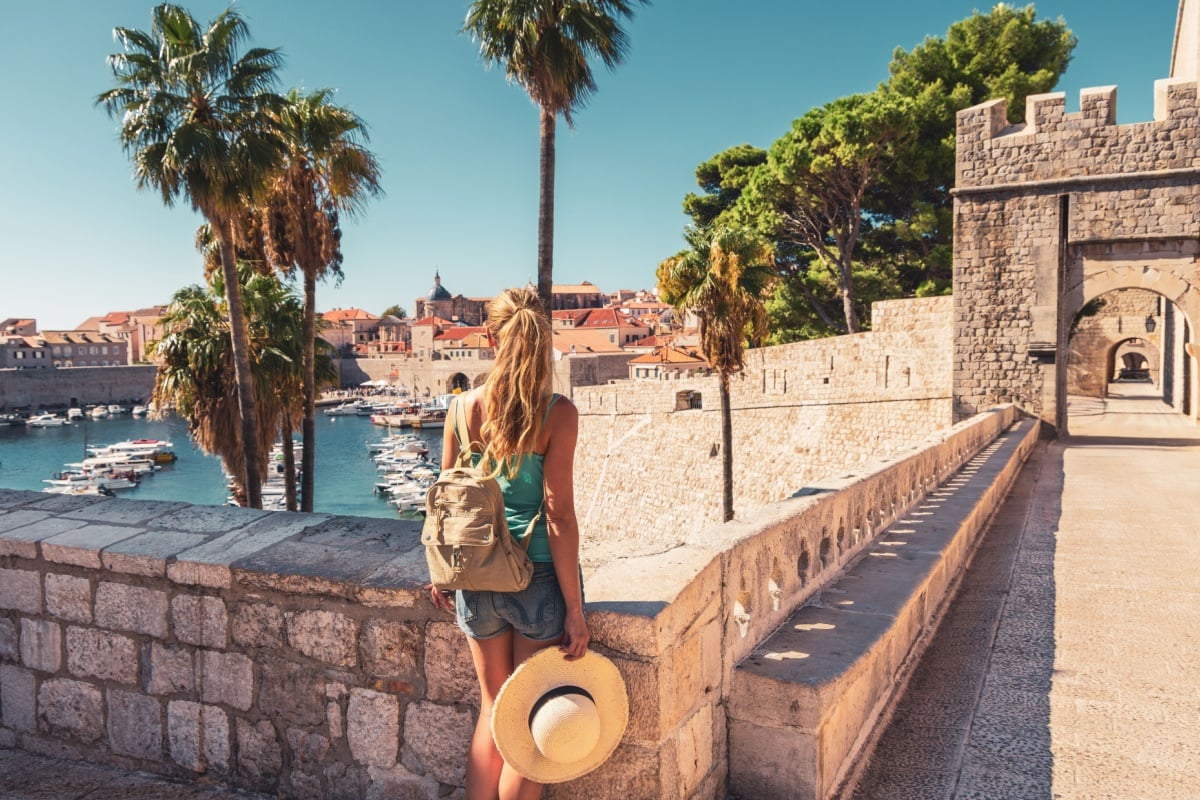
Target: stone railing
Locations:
point(297, 654)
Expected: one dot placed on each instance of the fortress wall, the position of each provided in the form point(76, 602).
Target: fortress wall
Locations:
point(55, 388)
point(648, 467)
point(298, 654)
point(1122, 317)
point(1050, 213)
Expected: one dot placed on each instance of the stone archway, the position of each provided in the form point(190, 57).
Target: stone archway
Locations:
point(1164, 267)
point(458, 382)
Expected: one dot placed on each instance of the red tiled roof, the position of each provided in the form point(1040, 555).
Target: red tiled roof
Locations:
point(344, 314)
point(607, 318)
point(459, 333)
point(435, 321)
point(670, 355)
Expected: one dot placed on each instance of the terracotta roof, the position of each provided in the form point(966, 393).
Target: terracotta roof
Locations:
point(607, 318)
point(671, 355)
point(458, 333)
point(435, 321)
point(585, 342)
point(344, 314)
point(656, 340)
point(115, 318)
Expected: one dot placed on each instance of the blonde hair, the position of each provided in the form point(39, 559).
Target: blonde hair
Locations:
point(518, 387)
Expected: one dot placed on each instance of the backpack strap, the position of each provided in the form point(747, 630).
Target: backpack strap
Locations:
point(462, 433)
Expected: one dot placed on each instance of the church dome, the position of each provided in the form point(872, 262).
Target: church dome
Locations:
point(438, 292)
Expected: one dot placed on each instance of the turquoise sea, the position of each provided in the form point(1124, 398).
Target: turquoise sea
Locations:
point(345, 474)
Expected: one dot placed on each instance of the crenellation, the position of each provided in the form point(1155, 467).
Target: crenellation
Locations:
point(1044, 113)
point(1097, 107)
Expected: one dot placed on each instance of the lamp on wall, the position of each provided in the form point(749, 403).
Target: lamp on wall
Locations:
point(1151, 324)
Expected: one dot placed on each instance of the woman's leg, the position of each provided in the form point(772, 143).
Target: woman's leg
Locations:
point(493, 664)
point(512, 785)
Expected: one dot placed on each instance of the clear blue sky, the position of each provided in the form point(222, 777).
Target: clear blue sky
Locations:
point(457, 143)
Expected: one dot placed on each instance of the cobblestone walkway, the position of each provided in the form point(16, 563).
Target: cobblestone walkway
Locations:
point(1069, 666)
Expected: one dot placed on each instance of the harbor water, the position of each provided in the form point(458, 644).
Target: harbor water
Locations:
point(345, 475)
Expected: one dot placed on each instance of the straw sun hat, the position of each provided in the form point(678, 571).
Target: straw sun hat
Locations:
point(555, 720)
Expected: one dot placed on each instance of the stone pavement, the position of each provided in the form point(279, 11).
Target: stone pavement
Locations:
point(1069, 665)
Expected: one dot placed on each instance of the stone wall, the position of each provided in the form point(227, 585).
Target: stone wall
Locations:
point(1096, 339)
point(436, 377)
point(1054, 212)
point(298, 654)
point(648, 466)
point(81, 386)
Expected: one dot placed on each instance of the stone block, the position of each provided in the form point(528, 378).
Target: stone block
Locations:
point(131, 608)
point(71, 709)
point(257, 625)
point(201, 621)
point(291, 693)
point(198, 736)
point(23, 541)
point(436, 740)
point(124, 512)
point(81, 547)
point(20, 518)
point(260, 757)
point(390, 649)
point(633, 771)
point(765, 761)
point(308, 756)
point(324, 635)
point(695, 750)
point(449, 672)
point(17, 699)
point(8, 640)
point(243, 532)
point(373, 727)
point(135, 725)
point(226, 678)
point(20, 590)
point(172, 670)
point(397, 783)
point(148, 553)
point(69, 597)
point(102, 654)
point(41, 644)
point(345, 781)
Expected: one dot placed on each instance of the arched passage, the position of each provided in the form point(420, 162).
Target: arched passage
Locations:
point(458, 382)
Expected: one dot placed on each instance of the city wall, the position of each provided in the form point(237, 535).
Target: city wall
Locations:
point(1096, 340)
point(80, 386)
point(425, 377)
point(1059, 210)
point(648, 466)
point(299, 655)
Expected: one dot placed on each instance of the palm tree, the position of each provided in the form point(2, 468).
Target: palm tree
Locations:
point(196, 363)
point(327, 172)
point(722, 277)
point(544, 46)
point(194, 122)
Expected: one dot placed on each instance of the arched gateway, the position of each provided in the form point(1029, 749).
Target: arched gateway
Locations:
point(1054, 213)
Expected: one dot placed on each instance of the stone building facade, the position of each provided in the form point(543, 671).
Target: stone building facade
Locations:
point(1056, 212)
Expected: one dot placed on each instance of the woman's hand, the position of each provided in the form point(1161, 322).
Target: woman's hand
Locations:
point(441, 600)
point(575, 636)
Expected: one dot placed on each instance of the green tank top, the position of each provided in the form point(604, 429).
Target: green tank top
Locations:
point(523, 497)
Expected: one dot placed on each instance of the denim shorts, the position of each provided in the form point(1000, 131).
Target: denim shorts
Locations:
point(536, 612)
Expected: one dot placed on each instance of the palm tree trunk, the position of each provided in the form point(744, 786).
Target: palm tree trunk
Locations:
point(289, 464)
point(545, 256)
point(726, 450)
point(240, 340)
point(307, 425)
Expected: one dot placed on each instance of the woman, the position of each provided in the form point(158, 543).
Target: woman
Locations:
point(525, 436)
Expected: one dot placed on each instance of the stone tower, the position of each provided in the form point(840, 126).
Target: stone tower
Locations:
point(1061, 209)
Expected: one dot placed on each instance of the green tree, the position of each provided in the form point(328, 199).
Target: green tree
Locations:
point(810, 194)
point(722, 179)
point(1006, 53)
point(722, 277)
point(194, 122)
point(327, 172)
point(397, 311)
point(545, 46)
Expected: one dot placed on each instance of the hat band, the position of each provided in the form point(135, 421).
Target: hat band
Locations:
point(557, 691)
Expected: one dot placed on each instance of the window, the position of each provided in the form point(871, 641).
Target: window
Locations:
point(687, 400)
point(19, 354)
point(104, 350)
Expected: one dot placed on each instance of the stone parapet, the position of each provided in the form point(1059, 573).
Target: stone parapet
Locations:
point(298, 654)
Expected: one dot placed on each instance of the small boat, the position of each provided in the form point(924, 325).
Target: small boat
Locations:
point(81, 490)
point(46, 421)
point(348, 410)
point(140, 411)
point(10, 419)
point(114, 410)
point(156, 450)
point(74, 413)
point(99, 412)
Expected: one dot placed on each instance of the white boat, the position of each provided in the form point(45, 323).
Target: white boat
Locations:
point(157, 450)
point(74, 413)
point(99, 412)
point(140, 411)
point(109, 480)
point(348, 410)
point(81, 490)
point(46, 421)
point(114, 410)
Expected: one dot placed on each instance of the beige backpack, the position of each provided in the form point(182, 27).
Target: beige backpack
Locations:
point(467, 541)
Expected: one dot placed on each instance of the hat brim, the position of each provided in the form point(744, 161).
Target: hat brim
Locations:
point(542, 672)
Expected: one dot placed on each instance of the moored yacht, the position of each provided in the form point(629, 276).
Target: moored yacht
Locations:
point(45, 421)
